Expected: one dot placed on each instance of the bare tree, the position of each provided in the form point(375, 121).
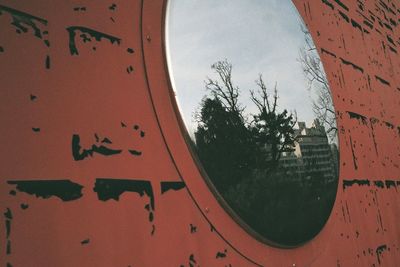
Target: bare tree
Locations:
point(225, 91)
point(318, 84)
point(274, 129)
point(263, 103)
point(223, 140)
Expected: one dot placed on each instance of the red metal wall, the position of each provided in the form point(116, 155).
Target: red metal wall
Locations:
point(95, 170)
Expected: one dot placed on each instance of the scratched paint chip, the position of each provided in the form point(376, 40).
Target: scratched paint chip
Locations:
point(86, 35)
point(85, 242)
point(129, 69)
point(62, 189)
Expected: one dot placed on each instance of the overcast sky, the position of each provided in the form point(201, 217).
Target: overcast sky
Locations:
point(256, 36)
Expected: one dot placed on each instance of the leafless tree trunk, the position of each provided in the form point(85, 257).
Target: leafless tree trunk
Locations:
point(263, 103)
point(225, 91)
point(276, 128)
point(318, 85)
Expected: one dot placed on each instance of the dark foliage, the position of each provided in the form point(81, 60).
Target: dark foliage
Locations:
point(242, 159)
point(224, 145)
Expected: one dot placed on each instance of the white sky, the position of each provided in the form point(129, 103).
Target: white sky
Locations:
point(256, 36)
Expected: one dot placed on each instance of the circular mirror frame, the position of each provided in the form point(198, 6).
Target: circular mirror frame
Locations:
point(213, 208)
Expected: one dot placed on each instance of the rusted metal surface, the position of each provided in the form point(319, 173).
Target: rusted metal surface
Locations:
point(95, 167)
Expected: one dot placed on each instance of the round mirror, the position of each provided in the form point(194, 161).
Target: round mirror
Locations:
point(257, 105)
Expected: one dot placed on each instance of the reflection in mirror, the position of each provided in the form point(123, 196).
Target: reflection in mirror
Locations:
point(257, 105)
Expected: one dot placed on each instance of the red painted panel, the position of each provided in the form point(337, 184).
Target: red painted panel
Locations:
point(95, 167)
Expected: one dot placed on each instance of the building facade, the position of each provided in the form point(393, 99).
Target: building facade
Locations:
point(313, 155)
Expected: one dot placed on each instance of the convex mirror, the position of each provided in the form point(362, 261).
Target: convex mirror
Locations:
point(257, 105)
